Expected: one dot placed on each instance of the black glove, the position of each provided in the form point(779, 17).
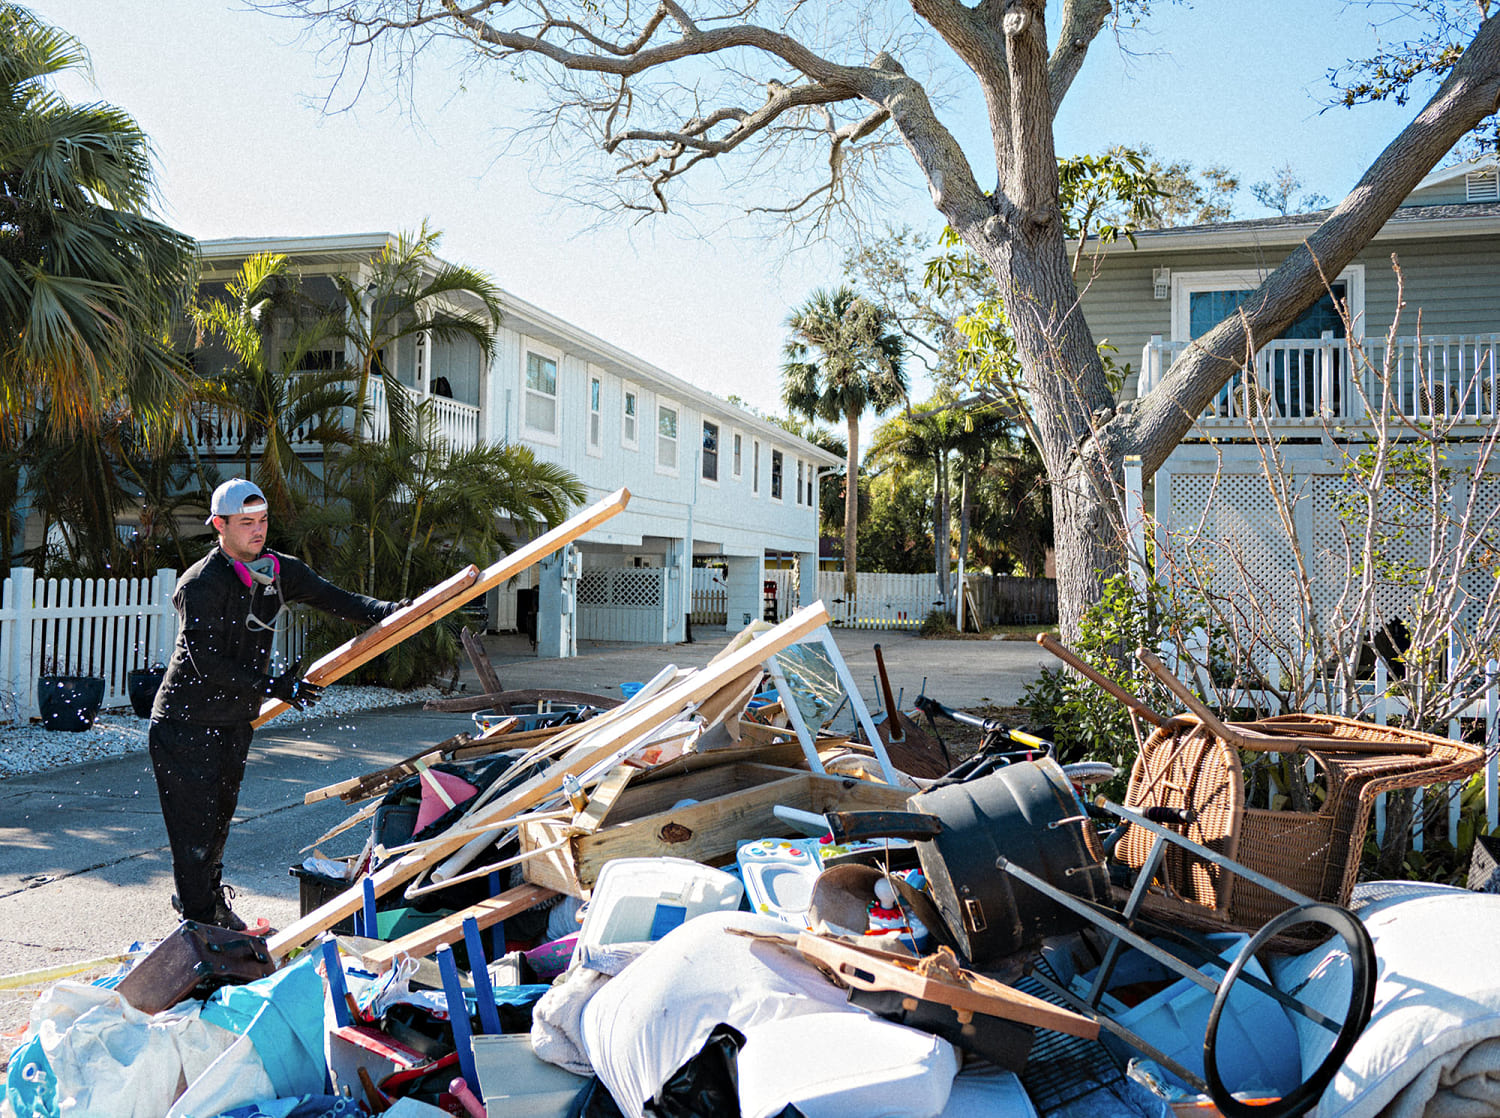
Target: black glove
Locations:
point(291, 688)
point(394, 607)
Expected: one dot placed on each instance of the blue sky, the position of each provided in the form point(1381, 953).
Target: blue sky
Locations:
point(233, 104)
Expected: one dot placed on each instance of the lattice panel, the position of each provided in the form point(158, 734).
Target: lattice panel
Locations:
point(593, 586)
point(1237, 547)
point(622, 587)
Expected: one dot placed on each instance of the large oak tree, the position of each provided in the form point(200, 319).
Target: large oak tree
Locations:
point(672, 88)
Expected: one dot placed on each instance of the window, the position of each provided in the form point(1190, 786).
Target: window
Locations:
point(629, 431)
point(1289, 380)
point(755, 470)
point(799, 481)
point(541, 394)
point(710, 451)
point(739, 455)
point(666, 439)
point(596, 419)
point(775, 475)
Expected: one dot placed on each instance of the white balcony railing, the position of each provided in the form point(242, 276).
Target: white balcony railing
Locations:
point(1307, 382)
point(221, 432)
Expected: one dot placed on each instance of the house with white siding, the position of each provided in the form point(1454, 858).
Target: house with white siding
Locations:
point(1151, 300)
point(707, 478)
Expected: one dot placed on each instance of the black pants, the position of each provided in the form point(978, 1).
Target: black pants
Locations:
point(198, 773)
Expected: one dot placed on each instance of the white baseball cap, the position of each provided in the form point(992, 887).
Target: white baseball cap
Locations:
point(231, 498)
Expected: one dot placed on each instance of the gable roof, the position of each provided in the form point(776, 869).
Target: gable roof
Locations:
point(1463, 219)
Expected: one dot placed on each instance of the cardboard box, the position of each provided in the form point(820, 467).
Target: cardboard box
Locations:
point(701, 815)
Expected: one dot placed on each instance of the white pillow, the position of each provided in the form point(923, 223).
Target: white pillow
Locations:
point(658, 1013)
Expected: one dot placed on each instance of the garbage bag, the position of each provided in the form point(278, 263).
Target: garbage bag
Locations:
point(707, 1086)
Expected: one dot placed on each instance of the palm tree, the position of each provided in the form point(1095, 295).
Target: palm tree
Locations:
point(406, 291)
point(926, 435)
point(89, 283)
point(843, 357)
point(422, 510)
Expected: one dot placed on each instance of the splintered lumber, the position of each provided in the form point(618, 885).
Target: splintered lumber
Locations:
point(355, 785)
point(598, 748)
point(448, 596)
point(500, 700)
point(450, 929)
point(606, 792)
point(480, 659)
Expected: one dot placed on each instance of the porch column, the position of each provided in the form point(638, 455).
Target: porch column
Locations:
point(677, 594)
point(557, 604)
point(743, 583)
point(807, 579)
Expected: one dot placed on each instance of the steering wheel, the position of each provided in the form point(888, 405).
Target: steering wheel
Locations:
point(1361, 1001)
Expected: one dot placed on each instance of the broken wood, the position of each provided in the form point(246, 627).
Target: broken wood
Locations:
point(606, 792)
point(353, 821)
point(448, 596)
point(500, 700)
point(480, 659)
point(450, 929)
point(384, 634)
point(631, 724)
point(959, 989)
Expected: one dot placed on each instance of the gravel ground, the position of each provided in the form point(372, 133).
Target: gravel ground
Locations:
point(26, 749)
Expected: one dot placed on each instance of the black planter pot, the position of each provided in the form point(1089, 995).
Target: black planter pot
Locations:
point(142, 685)
point(69, 702)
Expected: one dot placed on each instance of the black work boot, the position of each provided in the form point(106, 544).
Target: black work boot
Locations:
point(224, 916)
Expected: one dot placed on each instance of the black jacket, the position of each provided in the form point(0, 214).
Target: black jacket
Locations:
point(218, 672)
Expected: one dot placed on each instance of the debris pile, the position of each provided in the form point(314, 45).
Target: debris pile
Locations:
point(701, 901)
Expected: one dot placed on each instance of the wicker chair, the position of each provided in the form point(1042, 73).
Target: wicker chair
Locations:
point(1317, 853)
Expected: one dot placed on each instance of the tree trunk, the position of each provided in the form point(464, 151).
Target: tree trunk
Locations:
point(851, 510)
point(1072, 405)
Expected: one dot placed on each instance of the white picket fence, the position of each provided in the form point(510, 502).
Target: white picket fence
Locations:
point(881, 601)
point(105, 627)
point(94, 627)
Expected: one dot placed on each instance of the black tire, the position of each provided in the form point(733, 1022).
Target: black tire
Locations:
point(1361, 1001)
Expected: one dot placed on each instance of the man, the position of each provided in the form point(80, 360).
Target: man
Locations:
point(228, 604)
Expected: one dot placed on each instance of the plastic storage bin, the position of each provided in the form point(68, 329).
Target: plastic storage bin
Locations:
point(1257, 1048)
point(638, 900)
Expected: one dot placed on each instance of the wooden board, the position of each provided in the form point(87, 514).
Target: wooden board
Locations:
point(735, 803)
point(450, 929)
point(495, 700)
point(474, 646)
point(601, 745)
point(448, 596)
point(967, 993)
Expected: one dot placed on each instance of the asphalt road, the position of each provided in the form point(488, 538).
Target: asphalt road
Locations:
point(84, 867)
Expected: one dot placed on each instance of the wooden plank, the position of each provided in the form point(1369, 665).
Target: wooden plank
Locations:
point(701, 816)
point(448, 596)
point(355, 785)
point(480, 659)
point(601, 746)
point(450, 929)
point(468, 704)
point(962, 990)
point(606, 792)
point(381, 636)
